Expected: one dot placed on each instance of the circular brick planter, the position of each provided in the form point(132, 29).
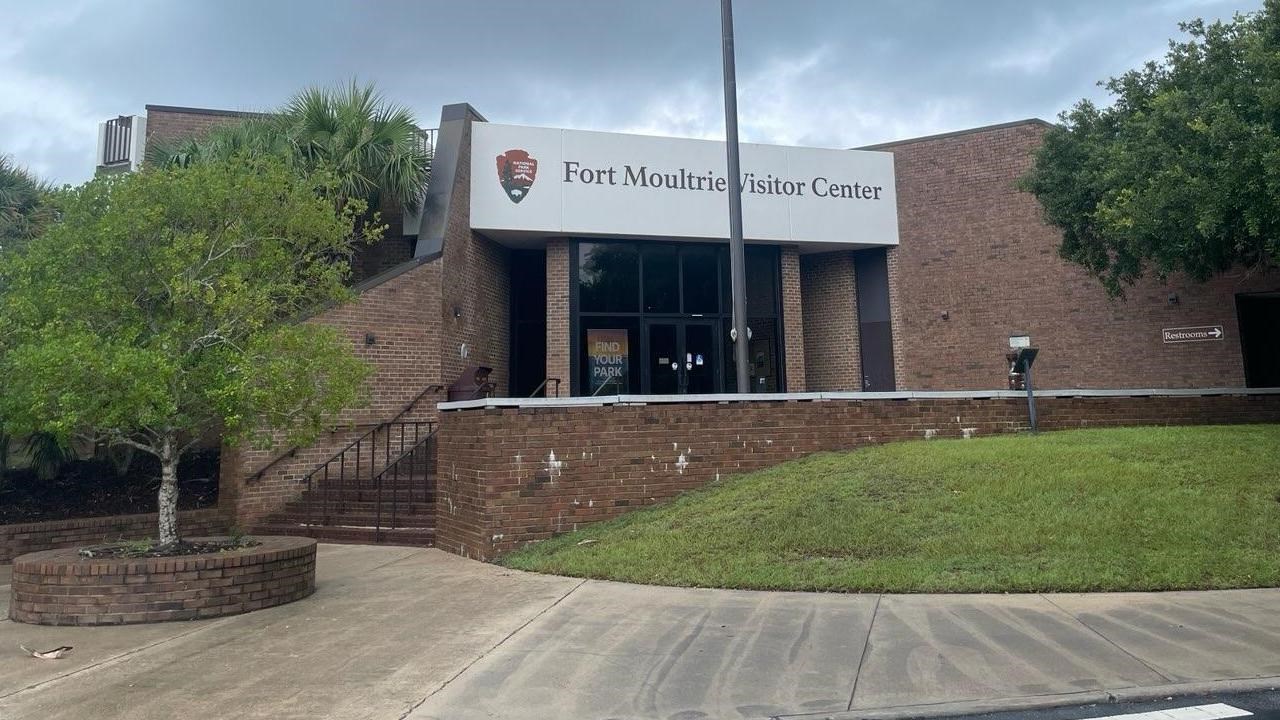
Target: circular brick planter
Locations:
point(59, 587)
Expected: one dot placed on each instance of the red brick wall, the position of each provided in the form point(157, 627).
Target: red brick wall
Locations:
point(792, 319)
point(830, 301)
point(511, 476)
point(24, 538)
point(896, 322)
point(974, 246)
point(57, 587)
point(167, 126)
point(558, 365)
point(476, 310)
point(403, 315)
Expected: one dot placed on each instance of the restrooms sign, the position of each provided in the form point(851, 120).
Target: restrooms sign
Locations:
point(543, 181)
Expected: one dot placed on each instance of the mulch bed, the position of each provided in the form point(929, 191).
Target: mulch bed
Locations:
point(89, 488)
point(147, 549)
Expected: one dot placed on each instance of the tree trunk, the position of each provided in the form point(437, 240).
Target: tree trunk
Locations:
point(167, 502)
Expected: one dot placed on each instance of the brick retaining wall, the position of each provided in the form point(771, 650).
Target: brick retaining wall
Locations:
point(512, 475)
point(24, 538)
point(58, 587)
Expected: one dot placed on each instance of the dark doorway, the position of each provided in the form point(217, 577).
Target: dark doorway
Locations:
point(681, 356)
point(875, 333)
point(1259, 317)
point(529, 323)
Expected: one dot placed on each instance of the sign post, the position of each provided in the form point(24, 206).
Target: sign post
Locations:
point(737, 256)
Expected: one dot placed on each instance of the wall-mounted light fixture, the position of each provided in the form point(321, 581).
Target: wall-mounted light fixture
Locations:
point(457, 312)
point(1173, 298)
point(369, 339)
point(946, 314)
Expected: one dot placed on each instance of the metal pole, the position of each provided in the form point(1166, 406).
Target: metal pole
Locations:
point(1031, 400)
point(737, 261)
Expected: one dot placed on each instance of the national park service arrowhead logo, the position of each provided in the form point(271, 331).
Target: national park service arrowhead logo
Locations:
point(516, 172)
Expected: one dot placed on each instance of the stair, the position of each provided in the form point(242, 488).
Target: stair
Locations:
point(341, 508)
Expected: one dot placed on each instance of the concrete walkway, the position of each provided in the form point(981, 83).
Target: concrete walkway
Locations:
point(401, 633)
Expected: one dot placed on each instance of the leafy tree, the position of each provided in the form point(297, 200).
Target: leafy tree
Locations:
point(1182, 172)
point(158, 311)
point(372, 147)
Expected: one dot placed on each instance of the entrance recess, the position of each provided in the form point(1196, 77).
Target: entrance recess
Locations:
point(652, 317)
point(1259, 316)
point(681, 356)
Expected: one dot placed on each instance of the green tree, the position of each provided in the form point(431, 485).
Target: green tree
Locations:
point(372, 147)
point(1182, 172)
point(25, 209)
point(25, 206)
point(160, 309)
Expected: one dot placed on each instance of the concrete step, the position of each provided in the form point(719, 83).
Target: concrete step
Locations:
point(414, 537)
point(403, 493)
point(356, 519)
point(402, 505)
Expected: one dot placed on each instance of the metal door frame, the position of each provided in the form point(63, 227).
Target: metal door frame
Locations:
point(681, 324)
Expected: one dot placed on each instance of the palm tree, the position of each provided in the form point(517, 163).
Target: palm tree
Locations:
point(373, 147)
point(24, 206)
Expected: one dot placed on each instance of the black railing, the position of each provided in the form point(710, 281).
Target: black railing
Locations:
point(116, 142)
point(357, 473)
point(407, 474)
point(543, 386)
point(427, 141)
point(256, 476)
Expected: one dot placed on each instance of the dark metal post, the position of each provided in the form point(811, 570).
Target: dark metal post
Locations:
point(737, 260)
point(1031, 399)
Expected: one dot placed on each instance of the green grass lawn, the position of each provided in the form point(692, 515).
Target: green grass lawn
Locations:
point(1119, 509)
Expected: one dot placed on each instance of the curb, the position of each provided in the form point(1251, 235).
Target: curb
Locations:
point(1040, 702)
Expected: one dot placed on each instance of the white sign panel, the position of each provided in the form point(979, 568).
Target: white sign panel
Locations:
point(1198, 333)
point(543, 181)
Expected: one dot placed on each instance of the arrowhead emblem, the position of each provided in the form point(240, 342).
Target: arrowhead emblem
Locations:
point(516, 173)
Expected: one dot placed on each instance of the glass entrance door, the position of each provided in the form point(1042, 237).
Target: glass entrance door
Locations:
point(682, 356)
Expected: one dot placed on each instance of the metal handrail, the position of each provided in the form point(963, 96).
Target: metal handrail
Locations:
point(412, 454)
point(374, 429)
point(409, 406)
point(543, 385)
point(348, 475)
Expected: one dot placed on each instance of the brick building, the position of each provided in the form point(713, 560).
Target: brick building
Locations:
point(579, 264)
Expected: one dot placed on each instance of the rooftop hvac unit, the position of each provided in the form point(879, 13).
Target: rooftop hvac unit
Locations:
point(122, 143)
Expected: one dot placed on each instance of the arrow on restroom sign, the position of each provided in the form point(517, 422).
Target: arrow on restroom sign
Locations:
point(1200, 333)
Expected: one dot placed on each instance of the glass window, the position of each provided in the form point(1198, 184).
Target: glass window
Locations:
point(762, 353)
point(762, 267)
point(608, 353)
point(608, 277)
point(661, 279)
point(700, 279)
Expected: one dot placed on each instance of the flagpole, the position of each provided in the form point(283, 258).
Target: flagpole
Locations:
point(737, 257)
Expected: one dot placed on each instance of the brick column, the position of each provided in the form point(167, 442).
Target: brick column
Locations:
point(558, 315)
point(895, 322)
point(830, 307)
point(792, 319)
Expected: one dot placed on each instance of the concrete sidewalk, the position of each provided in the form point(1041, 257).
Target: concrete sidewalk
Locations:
point(395, 632)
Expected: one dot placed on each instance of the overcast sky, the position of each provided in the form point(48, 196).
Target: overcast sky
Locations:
point(838, 73)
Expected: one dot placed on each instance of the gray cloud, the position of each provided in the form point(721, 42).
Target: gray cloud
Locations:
point(827, 73)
